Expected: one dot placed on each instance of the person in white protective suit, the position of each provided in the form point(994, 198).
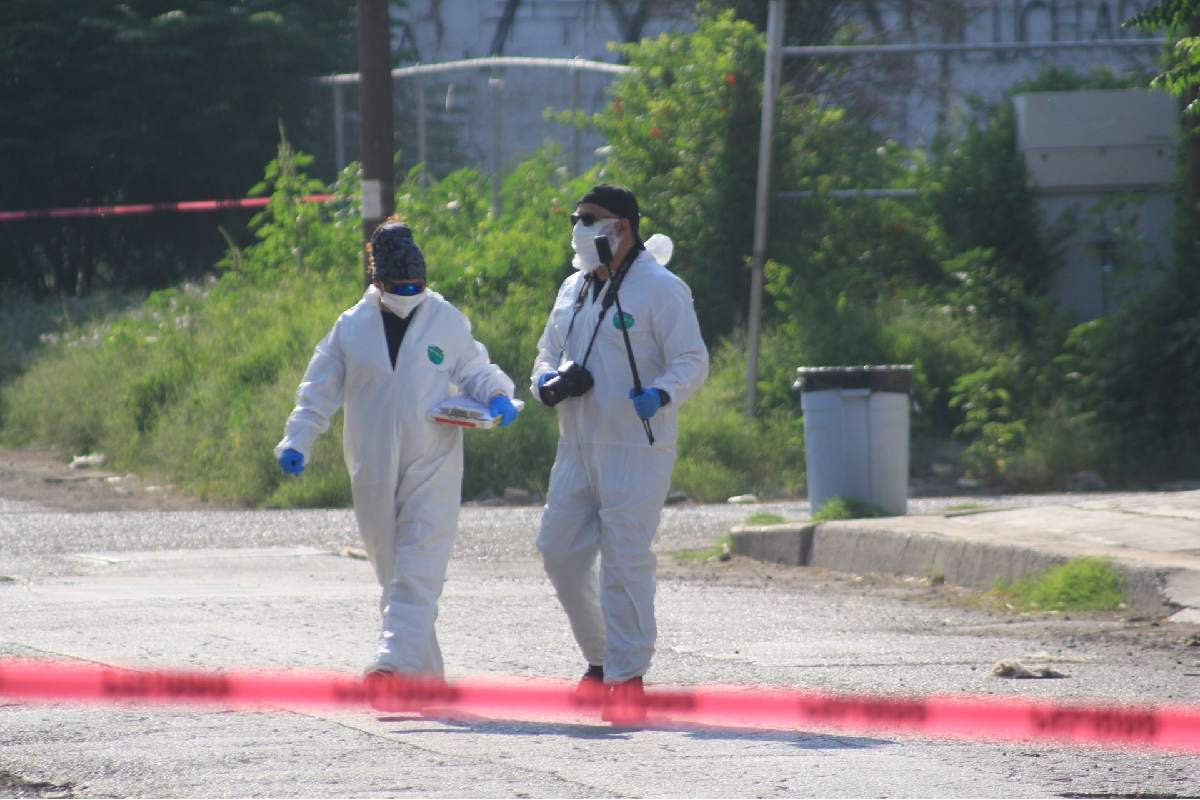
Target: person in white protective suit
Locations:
point(609, 482)
point(387, 361)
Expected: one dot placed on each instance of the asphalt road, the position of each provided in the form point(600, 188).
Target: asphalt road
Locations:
point(239, 588)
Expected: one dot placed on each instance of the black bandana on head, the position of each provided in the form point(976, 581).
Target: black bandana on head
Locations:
point(394, 253)
point(617, 199)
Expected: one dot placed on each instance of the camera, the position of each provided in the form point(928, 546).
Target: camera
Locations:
point(571, 381)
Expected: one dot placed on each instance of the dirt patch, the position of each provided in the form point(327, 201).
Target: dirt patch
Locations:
point(15, 786)
point(44, 478)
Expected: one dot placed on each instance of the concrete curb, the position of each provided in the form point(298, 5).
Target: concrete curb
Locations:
point(855, 546)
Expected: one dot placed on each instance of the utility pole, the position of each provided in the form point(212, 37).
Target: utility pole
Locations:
point(1191, 128)
point(375, 113)
point(771, 73)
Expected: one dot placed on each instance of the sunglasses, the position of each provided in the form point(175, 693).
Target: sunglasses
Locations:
point(587, 218)
point(404, 289)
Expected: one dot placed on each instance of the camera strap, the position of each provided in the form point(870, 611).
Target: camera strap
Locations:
point(613, 285)
point(637, 381)
point(579, 301)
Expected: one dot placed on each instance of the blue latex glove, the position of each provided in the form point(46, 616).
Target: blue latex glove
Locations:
point(292, 461)
point(647, 403)
point(546, 376)
point(501, 406)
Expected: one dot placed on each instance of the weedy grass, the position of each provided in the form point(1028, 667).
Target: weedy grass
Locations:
point(764, 518)
point(1082, 584)
point(717, 550)
point(847, 508)
point(961, 507)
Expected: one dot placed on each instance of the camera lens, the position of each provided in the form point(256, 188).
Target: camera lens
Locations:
point(552, 391)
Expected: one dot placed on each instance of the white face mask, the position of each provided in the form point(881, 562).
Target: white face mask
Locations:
point(400, 305)
point(583, 243)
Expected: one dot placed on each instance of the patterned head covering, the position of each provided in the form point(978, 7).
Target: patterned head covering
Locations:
point(394, 253)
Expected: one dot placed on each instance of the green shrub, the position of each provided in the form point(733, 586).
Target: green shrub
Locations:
point(721, 453)
point(1134, 376)
point(194, 385)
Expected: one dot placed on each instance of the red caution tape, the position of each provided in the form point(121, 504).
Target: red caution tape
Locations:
point(1168, 728)
point(147, 208)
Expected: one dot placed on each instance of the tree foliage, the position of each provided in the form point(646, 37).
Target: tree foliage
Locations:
point(1181, 18)
point(682, 129)
point(146, 101)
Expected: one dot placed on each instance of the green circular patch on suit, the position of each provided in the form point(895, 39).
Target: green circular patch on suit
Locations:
point(435, 354)
point(623, 321)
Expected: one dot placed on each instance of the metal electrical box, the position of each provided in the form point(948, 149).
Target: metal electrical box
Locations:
point(1103, 162)
point(1119, 140)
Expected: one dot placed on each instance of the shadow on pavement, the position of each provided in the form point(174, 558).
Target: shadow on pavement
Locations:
point(457, 722)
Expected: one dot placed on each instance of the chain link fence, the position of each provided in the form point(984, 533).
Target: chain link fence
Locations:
point(485, 112)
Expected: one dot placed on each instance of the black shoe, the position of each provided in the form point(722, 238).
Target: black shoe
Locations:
point(625, 703)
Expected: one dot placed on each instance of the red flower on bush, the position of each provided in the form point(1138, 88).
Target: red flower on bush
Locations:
point(730, 79)
point(656, 132)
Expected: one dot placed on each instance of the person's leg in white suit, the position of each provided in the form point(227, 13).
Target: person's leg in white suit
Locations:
point(569, 542)
point(633, 487)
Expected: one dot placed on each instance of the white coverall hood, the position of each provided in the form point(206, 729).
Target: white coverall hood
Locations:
point(405, 470)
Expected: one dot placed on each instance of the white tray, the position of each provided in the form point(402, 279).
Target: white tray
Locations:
point(463, 411)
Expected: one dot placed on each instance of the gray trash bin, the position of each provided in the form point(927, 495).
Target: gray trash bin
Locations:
point(856, 422)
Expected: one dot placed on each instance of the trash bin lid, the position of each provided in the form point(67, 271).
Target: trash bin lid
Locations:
point(877, 378)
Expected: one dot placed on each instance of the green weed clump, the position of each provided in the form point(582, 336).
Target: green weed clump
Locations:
point(764, 518)
point(1082, 584)
point(964, 507)
point(719, 549)
point(846, 508)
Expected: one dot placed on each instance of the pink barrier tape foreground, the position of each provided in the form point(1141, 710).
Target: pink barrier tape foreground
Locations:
point(148, 208)
point(963, 717)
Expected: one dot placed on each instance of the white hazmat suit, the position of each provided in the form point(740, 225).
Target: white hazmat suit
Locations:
point(608, 484)
point(405, 470)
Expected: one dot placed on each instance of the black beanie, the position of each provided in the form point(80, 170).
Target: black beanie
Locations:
point(394, 253)
point(619, 200)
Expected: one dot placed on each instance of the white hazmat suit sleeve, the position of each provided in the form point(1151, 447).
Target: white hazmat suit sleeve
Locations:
point(683, 347)
point(318, 397)
point(475, 374)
